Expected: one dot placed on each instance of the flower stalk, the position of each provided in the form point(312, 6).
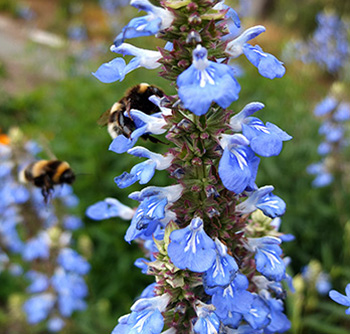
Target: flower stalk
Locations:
point(205, 248)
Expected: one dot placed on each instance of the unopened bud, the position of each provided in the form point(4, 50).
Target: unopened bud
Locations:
point(193, 37)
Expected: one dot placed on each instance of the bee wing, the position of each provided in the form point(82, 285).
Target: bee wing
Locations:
point(103, 120)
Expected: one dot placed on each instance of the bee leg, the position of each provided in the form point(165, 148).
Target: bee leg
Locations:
point(127, 109)
point(47, 188)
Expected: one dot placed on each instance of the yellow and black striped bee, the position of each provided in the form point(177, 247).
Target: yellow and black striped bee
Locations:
point(45, 174)
point(136, 97)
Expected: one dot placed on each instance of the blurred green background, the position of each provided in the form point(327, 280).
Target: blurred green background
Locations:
point(47, 90)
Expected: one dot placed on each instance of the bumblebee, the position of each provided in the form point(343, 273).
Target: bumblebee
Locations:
point(135, 98)
point(45, 174)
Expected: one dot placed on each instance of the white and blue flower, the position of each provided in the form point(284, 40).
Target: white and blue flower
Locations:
point(157, 19)
point(224, 268)
point(191, 248)
point(145, 318)
point(152, 212)
point(265, 140)
point(263, 199)
point(108, 208)
point(117, 69)
point(268, 65)
point(145, 124)
point(207, 321)
point(144, 171)
point(268, 257)
point(205, 82)
point(238, 165)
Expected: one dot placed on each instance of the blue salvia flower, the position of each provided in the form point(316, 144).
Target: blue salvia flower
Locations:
point(144, 171)
point(192, 248)
point(263, 199)
point(156, 19)
point(268, 257)
point(268, 65)
point(205, 82)
point(342, 299)
point(145, 124)
point(265, 140)
point(146, 316)
point(117, 69)
point(238, 165)
point(109, 208)
point(207, 321)
point(222, 272)
point(208, 255)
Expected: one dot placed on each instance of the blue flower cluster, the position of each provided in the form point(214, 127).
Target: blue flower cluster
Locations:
point(328, 46)
point(335, 114)
point(40, 237)
point(217, 268)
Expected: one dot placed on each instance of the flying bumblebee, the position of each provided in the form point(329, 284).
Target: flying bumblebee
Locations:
point(45, 174)
point(135, 98)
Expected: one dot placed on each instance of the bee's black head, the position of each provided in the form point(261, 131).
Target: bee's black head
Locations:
point(67, 176)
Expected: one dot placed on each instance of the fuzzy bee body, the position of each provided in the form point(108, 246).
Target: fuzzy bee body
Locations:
point(45, 174)
point(136, 97)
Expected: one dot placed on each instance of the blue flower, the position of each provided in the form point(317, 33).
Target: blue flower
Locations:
point(71, 290)
point(265, 140)
point(342, 113)
point(70, 260)
point(342, 299)
point(72, 223)
point(55, 324)
point(323, 284)
point(322, 180)
point(144, 171)
point(279, 322)
point(117, 69)
point(39, 281)
point(324, 148)
point(146, 317)
point(238, 165)
point(231, 19)
point(156, 20)
point(145, 124)
point(267, 257)
point(108, 208)
point(149, 291)
point(205, 82)
point(323, 177)
point(191, 248)
point(207, 321)
point(111, 71)
point(268, 65)
point(37, 248)
point(234, 298)
point(152, 212)
point(271, 205)
point(223, 269)
point(332, 131)
point(257, 317)
point(38, 307)
point(325, 106)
